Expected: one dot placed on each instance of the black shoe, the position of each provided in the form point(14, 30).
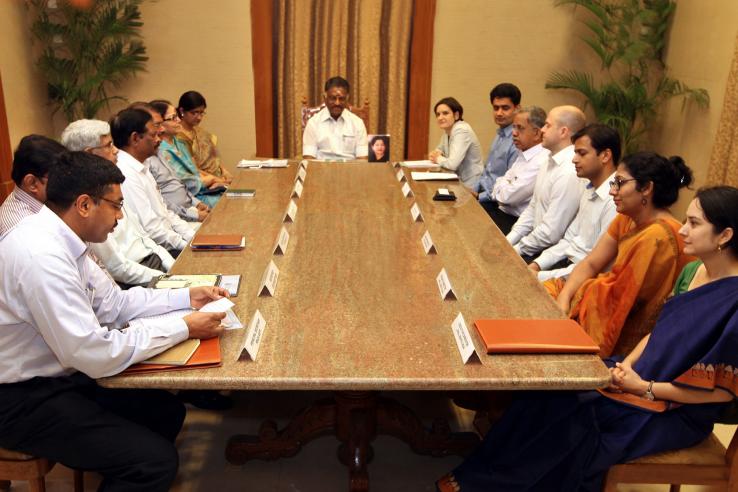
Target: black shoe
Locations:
point(206, 399)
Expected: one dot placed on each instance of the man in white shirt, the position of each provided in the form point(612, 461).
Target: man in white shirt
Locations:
point(63, 323)
point(129, 255)
point(596, 154)
point(512, 192)
point(335, 133)
point(32, 160)
point(136, 133)
point(557, 188)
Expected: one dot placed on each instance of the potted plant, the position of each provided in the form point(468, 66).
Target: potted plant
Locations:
point(87, 48)
point(629, 37)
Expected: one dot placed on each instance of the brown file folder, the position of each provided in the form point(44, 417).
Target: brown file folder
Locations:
point(218, 241)
point(206, 355)
point(534, 336)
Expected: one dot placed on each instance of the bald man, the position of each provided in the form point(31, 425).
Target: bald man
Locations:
point(557, 190)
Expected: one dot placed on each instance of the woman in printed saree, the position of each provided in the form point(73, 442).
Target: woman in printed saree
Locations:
point(664, 395)
point(616, 292)
point(200, 143)
point(175, 153)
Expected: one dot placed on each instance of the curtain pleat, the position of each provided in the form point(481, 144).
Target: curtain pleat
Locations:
point(365, 41)
point(724, 160)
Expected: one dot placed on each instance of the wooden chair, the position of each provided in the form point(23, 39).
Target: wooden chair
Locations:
point(308, 112)
point(708, 463)
point(19, 466)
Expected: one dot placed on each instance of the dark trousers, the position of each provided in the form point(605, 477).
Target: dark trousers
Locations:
point(125, 435)
point(504, 221)
point(152, 261)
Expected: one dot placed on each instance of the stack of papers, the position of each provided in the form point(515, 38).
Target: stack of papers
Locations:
point(223, 305)
point(240, 192)
point(257, 164)
point(421, 176)
point(419, 164)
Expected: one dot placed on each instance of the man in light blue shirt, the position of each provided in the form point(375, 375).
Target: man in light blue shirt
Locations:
point(505, 99)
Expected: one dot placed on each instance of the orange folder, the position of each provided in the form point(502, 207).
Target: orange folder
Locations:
point(534, 336)
point(206, 355)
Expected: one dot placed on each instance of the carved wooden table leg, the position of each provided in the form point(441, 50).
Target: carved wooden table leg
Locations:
point(270, 444)
point(356, 428)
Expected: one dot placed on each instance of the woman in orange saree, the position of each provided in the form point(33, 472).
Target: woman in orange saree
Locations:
point(617, 307)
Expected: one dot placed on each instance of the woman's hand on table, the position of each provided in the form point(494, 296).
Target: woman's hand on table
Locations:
point(434, 155)
point(627, 380)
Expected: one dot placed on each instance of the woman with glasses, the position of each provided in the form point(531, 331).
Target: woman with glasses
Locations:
point(175, 154)
point(616, 292)
point(200, 143)
point(665, 395)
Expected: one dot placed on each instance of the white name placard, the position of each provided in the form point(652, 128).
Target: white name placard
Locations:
point(428, 246)
point(269, 280)
point(254, 333)
point(444, 286)
point(464, 341)
point(297, 190)
point(415, 212)
point(281, 247)
point(304, 164)
point(291, 213)
point(406, 190)
point(301, 174)
point(400, 175)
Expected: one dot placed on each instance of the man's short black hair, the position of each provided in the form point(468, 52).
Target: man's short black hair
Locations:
point(80, 173)
point(337, 82)
point(35, 155)
point(125, 123)
point(602, 137)
point(508, 90)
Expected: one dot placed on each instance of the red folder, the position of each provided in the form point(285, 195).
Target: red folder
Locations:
point(206, 355)
point(534, 336)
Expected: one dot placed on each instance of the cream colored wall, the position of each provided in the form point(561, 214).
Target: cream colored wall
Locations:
point(191, 45)
point(700, 51)
point(25, 92)
point(202, 46)
point(479, 43)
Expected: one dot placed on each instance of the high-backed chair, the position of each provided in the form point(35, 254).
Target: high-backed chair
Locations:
point(19, 466)
point(707, 463)
point(308, 112)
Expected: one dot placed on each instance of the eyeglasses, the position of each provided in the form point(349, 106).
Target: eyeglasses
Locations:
point(174, 117)
point(117, 205)
point(618, 183)
point(197, 112)
point(107, 146)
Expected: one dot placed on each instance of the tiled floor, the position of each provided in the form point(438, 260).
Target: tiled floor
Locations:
point(315, 468)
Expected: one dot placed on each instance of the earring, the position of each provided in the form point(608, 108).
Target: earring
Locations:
point(644, 202)
point(720, 248)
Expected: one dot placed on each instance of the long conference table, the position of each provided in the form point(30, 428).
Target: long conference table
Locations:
point(357, 309)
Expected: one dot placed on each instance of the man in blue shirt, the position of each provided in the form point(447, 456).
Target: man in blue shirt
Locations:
point(505, 99)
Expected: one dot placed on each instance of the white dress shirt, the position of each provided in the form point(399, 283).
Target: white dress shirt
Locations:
point(514, 190)
point(554, 204)
point(340, 139)
point(17, 207)
point(142, 197)
point(55, 304)
point(125, 247)
point(596, 211)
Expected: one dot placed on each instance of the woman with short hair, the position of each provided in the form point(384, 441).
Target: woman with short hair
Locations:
point(459, 149)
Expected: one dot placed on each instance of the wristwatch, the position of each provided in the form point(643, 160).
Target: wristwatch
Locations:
point(648, 395)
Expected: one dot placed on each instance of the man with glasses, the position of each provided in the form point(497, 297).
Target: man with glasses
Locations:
point(32, 160)
point(128, 254)
point(63, 324)
point(512, 192)
point(136, 133)
point(335, 133)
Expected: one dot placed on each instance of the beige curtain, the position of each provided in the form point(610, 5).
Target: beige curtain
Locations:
point(724, 160)
point(365, 41)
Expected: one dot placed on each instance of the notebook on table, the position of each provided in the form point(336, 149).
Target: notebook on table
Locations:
point(206, 355)
point(218, 242)
point(534, 336)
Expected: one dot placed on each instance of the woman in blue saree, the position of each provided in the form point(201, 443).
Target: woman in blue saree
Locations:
point(666, 394)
